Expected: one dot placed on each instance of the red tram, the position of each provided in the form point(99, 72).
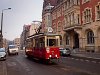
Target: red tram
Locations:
point(43, 46)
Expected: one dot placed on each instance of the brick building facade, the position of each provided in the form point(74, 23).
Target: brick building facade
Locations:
point(58, 18)
point(90, 21)
point(78, 22)
point(46, 14)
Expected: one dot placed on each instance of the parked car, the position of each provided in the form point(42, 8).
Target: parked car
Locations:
point(65, 51)
point(12, 49)
point(2, 54)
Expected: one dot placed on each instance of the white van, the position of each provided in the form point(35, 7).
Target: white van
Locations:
point(12, 49)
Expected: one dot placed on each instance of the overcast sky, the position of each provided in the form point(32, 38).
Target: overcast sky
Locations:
point(22, 12)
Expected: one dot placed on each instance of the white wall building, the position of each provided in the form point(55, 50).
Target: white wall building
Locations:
point(17, 42)
point(34, 26)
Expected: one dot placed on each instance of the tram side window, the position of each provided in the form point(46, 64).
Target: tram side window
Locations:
point(42, 42)
point(51, 42)
point(36, 43)
point(28, 44)
point(31, 43)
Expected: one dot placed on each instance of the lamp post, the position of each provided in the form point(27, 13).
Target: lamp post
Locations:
point(2, 26)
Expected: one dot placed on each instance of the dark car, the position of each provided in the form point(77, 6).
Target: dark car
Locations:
point(65, 51)
point(2, 54)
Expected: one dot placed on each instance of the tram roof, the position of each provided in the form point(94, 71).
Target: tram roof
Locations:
point(43, 34)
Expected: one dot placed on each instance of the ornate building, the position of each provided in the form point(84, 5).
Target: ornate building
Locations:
point(24, 35)
point(17, 42)
point(72, 25)
point(58, 19)
point(90, 21)
point(78, 22)
point(46, 14)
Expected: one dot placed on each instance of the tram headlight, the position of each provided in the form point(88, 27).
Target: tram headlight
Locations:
point(56, 55)
point(27, 50)
point(50, 56)
point(48, 50)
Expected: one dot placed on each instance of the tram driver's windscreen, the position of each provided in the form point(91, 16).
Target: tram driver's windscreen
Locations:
point(52, 42)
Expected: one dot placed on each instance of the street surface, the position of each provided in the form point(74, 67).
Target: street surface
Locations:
point(20, 65)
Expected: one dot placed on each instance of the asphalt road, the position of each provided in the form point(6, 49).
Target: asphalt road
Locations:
point(20, 65)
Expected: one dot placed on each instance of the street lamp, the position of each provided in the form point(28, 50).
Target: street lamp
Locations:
point(2, 25)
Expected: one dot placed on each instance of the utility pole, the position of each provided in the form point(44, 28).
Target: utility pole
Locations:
point(1, 36)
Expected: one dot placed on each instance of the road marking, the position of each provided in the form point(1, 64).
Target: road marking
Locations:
point(93, 58)
point(81, 60)
point(72, 58)
point(87, 60)
point(65, 69)
point(64, 57)
point(94, 61)
point(12, 64)
point(76, 59)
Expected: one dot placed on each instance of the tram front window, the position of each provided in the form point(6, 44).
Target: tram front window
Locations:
point(51, 42)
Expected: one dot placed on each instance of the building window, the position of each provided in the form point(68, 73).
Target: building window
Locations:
point(60, 40)
point(54, 28)
point(78, 18)
point(66, 20)
point(72, 2)
point(90, 37)
point(63, 10)
point(67, 40)
point(85, 1)
point(69, 19)
point(59, 27)
point(49, 18)
point(76, 2)
point(72, 19)
point(68, 3)
point(54, 16)
point(59, 12)
point(98, 12)
point(87, 16)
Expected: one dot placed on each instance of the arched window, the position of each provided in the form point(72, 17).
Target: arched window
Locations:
point(67, 39)
point(90, 37)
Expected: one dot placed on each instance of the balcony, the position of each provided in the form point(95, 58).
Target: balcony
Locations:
point(71, 27)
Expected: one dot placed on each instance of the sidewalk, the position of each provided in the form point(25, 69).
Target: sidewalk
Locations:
point(87, 55)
